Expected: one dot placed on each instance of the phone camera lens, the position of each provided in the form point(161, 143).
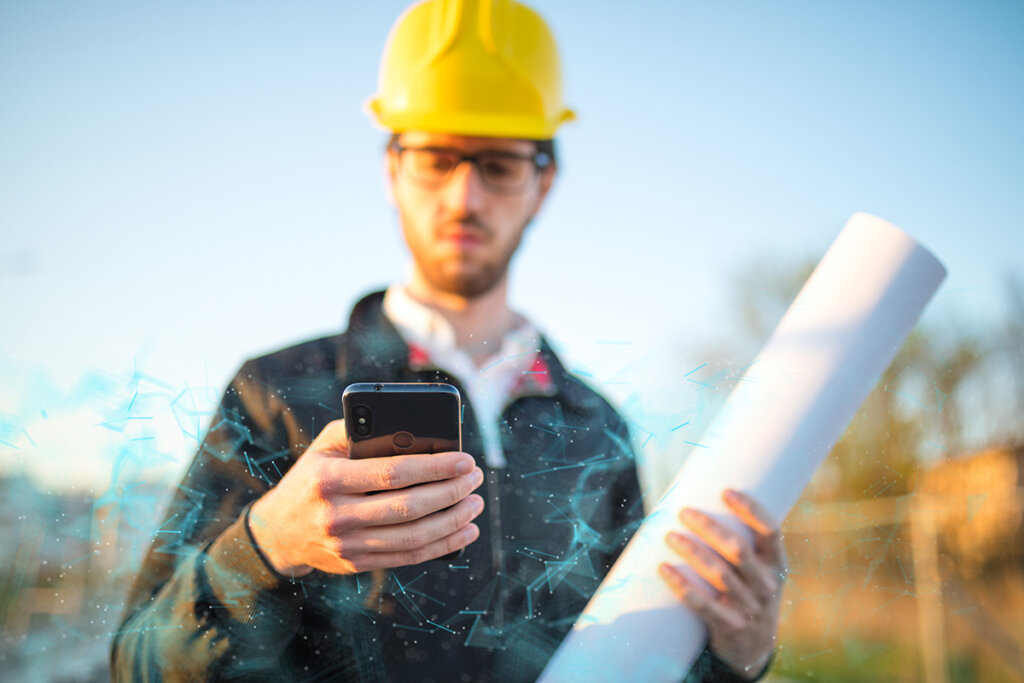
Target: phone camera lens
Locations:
point(362, 429)
point(378, 387)
point(360, 411)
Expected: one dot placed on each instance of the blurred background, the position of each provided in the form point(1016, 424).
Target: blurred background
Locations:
point(186, 185)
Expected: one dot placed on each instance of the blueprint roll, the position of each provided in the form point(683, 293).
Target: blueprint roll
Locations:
point(782, 419)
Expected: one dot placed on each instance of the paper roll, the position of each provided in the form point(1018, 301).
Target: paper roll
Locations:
point(778, 424)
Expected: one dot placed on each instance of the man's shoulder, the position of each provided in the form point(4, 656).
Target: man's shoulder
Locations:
point(308, 358)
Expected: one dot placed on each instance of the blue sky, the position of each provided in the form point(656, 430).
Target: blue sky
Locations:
point(184, 185)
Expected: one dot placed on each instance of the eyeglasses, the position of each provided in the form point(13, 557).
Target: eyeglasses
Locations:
point(504, 172)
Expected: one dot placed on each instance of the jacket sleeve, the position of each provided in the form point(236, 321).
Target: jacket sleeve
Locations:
point(205, 603)
point(708, 668)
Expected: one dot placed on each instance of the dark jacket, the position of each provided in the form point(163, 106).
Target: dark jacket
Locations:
point(206, 604)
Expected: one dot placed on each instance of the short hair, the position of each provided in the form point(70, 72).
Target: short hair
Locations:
point(543, 146)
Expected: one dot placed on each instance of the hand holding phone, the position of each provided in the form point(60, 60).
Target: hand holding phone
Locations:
point(319, 516)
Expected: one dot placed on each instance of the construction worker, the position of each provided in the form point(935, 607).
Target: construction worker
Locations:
point(273, 562)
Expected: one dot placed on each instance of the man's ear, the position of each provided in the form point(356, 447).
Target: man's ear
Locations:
point(547, 179)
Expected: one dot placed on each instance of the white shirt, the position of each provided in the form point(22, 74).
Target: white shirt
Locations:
point(490, 386)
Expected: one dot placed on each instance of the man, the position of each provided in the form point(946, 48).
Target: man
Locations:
point(275, 562)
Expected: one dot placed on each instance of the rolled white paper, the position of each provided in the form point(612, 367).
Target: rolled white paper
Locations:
point(778, 424)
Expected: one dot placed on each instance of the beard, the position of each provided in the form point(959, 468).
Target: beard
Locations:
point(469, 275)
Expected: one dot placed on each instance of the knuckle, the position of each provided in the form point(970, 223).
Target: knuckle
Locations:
point(451, 544)
point(322, 483)
point(418, 555)
point(435, 471)
point(453, 495)
point(389, 475)
point(410, 540)
point(727, 629)
point(340, 522)
point(406, 508)
point(455, 521)
point(742, 552)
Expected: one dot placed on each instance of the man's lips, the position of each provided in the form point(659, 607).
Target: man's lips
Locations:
point(464, 235)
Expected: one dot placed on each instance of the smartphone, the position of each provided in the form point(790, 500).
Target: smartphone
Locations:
point(395, 418)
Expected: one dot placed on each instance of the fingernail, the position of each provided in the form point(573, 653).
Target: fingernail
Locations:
point(669, 572)
point(478, 477)
point(463, 466)
point(477, 504)
point(688, 513)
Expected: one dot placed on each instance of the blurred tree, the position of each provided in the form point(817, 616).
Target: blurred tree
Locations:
point(915, 415)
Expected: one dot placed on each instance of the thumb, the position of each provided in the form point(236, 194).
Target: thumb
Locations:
point(332, 439)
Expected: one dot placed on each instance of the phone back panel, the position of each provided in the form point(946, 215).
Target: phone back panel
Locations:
point(384, 419)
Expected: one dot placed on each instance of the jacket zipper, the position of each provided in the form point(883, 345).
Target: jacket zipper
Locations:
point(494, 477)
point(497, 558)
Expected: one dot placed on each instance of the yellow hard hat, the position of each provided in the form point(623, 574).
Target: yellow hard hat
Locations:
point(471, 67)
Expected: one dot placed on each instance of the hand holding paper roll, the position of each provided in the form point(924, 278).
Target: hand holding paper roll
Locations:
point(739, 603)
point(792, 404)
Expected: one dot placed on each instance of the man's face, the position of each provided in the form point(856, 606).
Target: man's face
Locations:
point(462, 233)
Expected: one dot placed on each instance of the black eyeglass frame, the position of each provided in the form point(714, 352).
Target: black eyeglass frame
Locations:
point(541, 161)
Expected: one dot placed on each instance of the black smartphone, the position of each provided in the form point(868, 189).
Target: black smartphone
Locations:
point(395, 418)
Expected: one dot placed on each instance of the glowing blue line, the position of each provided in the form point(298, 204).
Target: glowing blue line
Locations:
point(439, 626)
point(695, 369)
point(553, 469)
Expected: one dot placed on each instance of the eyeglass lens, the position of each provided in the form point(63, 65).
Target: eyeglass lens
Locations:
point(497, 169)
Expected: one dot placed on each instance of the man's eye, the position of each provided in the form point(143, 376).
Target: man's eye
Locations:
point(439, 163)
point(497, 168)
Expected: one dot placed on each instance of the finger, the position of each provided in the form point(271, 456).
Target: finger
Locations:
point(449, 544)
point(716, 571)
point(398, 507)
point(398, 471)
point(416, 534)
point(714, 614)
point(767, 537)
point(332, 439)
point(728, 543)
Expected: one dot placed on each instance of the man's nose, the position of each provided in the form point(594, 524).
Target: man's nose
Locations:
point(465, 190)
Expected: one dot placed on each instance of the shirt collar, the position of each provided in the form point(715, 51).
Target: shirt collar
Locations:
point(430, 335)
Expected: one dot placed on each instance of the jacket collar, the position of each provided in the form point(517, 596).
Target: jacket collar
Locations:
point(373, 349)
